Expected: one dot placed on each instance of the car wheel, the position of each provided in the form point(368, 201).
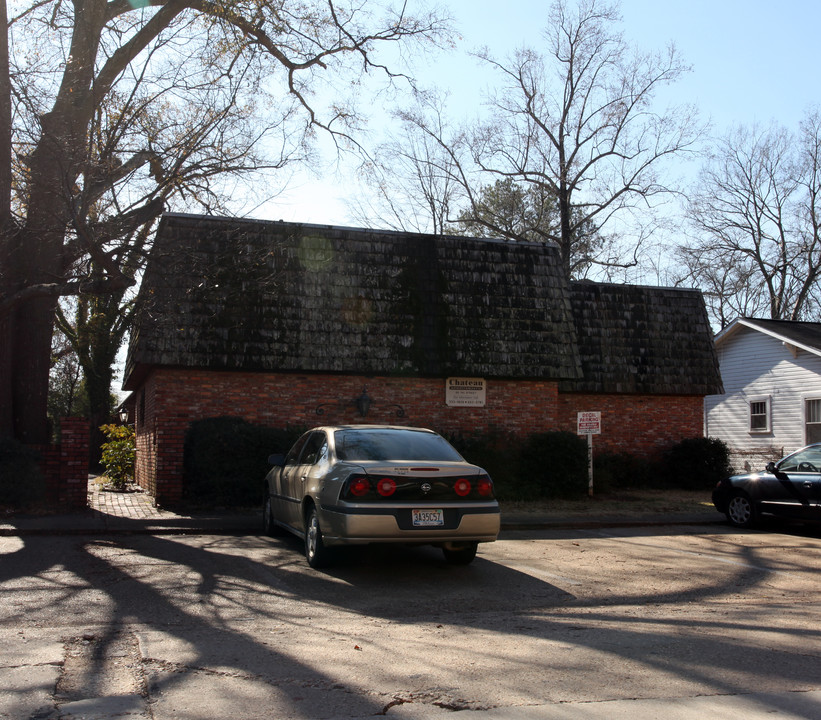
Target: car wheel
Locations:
point(268, 523)
point(461, 554)
point(741, 511)
point(317, 555)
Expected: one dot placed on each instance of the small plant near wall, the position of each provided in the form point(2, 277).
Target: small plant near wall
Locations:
point(118, 455)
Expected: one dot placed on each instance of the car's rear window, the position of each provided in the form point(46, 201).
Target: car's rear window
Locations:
point(393, 445)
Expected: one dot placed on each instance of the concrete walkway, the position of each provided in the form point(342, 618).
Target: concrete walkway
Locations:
point(130, 511)
point(134, 503)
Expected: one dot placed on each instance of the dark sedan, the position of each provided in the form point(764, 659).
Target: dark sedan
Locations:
point(356, 484)
point(790, 488)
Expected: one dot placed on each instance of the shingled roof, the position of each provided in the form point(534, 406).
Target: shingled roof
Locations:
point(226, 293)
point(647, 340)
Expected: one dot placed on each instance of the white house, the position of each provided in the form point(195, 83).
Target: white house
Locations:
point(772, 390)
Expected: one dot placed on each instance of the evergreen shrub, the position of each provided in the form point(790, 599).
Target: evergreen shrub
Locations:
point(226, 459)
point(552, 465)
point(118, 454)
point(696, 464)
point(497, 452)
point(618, 470)
point(543, 465)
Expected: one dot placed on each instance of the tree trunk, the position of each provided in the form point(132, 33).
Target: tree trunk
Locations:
point(37, 264)
point(30, 326)
point(98, 388)
point(6, 233)
point(6, 369)
point(99, 374)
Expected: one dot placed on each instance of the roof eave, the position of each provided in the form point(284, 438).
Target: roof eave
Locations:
point(790, 343)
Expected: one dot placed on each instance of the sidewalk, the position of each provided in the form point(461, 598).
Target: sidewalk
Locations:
point(133, 511)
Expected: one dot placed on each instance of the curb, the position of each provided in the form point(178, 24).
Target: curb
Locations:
point(591, 524)
point(252, 525)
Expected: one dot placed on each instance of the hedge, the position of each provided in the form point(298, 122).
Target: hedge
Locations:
point(226, 459)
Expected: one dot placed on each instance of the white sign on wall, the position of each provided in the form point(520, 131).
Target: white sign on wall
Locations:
point(588, 423)
point(465, 392)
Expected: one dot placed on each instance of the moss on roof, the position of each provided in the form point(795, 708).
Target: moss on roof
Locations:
point(272, 296)
point(638, 339)
point(252, 295)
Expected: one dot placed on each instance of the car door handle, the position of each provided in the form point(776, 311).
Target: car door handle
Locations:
point(304, 478)
point(807, 483)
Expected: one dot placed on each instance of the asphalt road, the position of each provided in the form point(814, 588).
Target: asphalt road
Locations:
point(679, 622)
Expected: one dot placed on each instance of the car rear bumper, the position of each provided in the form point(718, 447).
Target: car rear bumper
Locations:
point(343, 526)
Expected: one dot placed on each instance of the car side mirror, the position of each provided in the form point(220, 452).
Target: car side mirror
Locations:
point(276, 459)
point(772, 468)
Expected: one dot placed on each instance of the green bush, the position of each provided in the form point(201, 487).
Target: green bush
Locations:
point(21, 482)
point(498, 453)
point(118, 454)
point(623, 470)
point(226, 458)
point(543, 465)
point(696, 464)
point(553, 464)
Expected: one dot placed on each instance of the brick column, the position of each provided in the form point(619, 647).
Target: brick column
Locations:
point(74, 462)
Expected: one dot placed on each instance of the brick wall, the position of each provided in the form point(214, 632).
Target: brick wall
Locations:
point(640, 424)
point(172, 398)
point(145, 419)
point(65, 465)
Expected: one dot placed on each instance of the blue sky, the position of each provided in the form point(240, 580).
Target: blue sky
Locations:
point(753, 61)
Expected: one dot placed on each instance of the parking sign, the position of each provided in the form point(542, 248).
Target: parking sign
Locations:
point(588, 423)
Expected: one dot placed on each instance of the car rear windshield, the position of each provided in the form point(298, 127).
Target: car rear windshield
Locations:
point(393, 445)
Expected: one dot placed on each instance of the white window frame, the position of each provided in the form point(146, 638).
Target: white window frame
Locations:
point(804, 419)
point(767, 400)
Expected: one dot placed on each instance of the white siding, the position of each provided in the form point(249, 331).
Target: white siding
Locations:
point(756, 365)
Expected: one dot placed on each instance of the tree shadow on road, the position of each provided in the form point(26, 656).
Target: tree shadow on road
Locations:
point(248, 609)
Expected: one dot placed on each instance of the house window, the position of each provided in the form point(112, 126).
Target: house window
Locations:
point(760, 415)
point(812, 415)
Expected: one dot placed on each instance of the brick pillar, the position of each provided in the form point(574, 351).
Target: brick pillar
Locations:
point(74, 439)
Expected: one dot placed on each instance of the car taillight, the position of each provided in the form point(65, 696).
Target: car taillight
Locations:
point(462, 487)
point(359, 486)
point(484, 487)
point(386, 487)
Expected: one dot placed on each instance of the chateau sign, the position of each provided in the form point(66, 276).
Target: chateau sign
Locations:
point(465, 392)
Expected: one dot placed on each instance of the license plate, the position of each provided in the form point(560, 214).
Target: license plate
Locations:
point(427, 518)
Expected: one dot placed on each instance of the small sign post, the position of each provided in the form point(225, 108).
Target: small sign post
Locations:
point(589, 423)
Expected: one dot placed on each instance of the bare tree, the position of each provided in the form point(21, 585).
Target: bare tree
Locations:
point(413, 176)
point(756, 213)
point(65, 381)
point(579, 123)
point(194, 147)
point(575, 126)
point(75, 64)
